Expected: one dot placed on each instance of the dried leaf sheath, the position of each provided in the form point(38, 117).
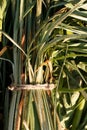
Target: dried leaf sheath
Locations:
point(32, 87)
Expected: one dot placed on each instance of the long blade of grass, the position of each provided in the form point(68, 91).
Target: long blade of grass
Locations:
point(61, 19)
point(8, 37)
point(29, 9)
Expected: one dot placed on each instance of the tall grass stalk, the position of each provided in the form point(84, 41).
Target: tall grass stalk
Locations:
point(17, 65)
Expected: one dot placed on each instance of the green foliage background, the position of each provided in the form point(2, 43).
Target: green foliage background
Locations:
point(44, 41)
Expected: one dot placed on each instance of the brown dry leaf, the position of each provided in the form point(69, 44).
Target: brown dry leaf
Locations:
point(3, 50)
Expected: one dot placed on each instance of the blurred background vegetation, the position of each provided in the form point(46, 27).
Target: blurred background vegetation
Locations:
point(43, 41)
